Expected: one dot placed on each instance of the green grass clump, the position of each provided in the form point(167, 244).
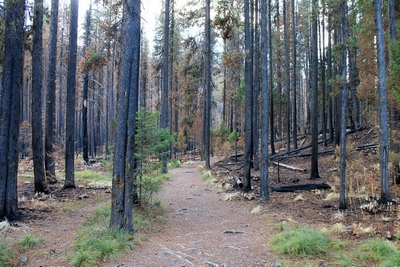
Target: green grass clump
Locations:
point(393, 259)
point(376, 249)
point(92, 175)
point(207, 176)
point(174, 163)
point(302, 242)
point(84, 258)
point(29, 241)
point(6, 254)
point(96, 242)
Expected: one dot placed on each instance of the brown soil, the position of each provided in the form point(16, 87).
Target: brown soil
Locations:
point(202, 227)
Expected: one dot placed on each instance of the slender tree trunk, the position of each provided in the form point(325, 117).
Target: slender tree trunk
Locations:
point(279, 71)
point(314, 117)
point(71, 92)
point(165, 78)
point(60, 125)
point(122, 183)
point(207, 121)
point(294, 74)
point(85, 103)
point(12, 82)
point(256, 79)
point(383, 114)
point(249, 100)
point(265, 103)
point(342, 198)
point(271, 80)
point(330, 104)
point(323, 76)
point(41, 185)
point(51, 96)
point(336, 99)
point(287, 73)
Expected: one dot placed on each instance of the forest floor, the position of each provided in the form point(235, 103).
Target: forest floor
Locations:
point(215, 223)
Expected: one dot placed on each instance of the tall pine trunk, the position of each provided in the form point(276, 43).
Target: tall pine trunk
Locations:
point(342, 197)
point(270, 79)
point(314, 77)
point(383, 114)
point(294, 74)
point(265, 103)
point(71, 93)
point(249, 99)
point(122, 182)
point(256, 81)
point(287, 73)
point(12, 82)
point(51, 96)
point(165, 78)
point(36, 104)
point(207, 110)
point(85, 89)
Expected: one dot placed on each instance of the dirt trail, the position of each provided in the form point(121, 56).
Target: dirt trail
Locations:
point(202, 229)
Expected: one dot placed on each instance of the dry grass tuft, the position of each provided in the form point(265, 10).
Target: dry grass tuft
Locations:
point(359, 230)
point(298, 198)
point(4, 226)
point(338, 216)
point(332, 197)
point(233, 196)
point(256, 210)
point(338, 228)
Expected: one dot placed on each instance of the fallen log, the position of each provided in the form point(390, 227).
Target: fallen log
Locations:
point(293, 168)
point(291, 188)
point(233, 232)
point(367, 146)
point(238, 181)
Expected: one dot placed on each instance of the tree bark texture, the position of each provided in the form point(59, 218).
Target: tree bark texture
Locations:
point(383, 113)
point(36, 103)
point(85, 89)
point(208, 92)
point(51, 96)
point(265, 104)
point(342, 190)
point(10, 107)
point(165, 78)
point(122, 183)
point(71, 93)
point(314, 69)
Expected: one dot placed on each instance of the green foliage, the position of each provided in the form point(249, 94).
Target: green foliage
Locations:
point(397, 235)
point(150, 185)
point(96, 242)
point(146, 218)
point(92, 175)
point(174, 163)
point(6, 254)
point(207, 176)
point(84, 258)
point(150, 140)
point(302, 242)
point(241, 93)
point(345, 261)
point(181, 142)
point(232, 137)
point(375, 249)
point(393, 259)
point(29, 241)
point(394, 74)
point(151, 144)
point(94, 61)
point(309, 244)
